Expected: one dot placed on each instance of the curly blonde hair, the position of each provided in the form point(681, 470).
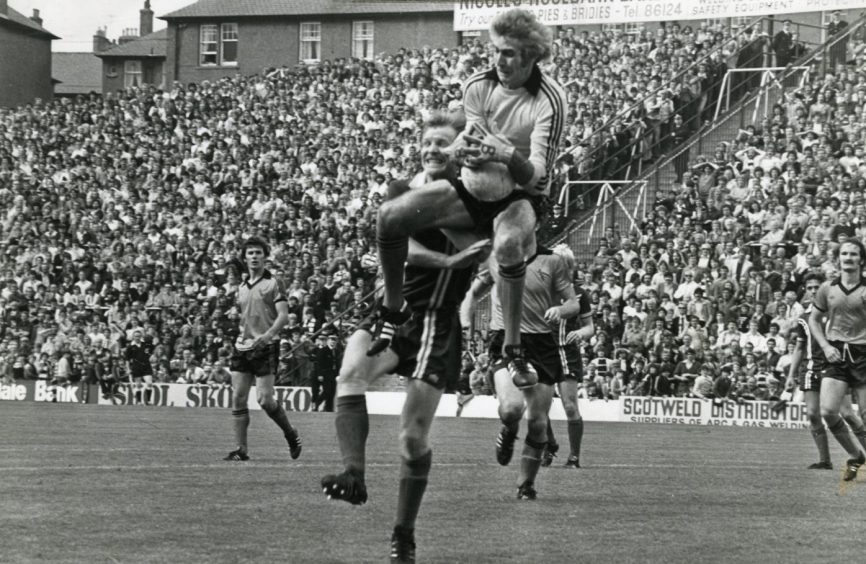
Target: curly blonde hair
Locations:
point(535, 38)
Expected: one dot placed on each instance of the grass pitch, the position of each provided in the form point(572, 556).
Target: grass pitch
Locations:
point(134, 484)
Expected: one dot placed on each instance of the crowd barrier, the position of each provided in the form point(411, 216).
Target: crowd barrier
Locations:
point(676, 411)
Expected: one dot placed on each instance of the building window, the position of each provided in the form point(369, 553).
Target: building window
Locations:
point(229, 44)
point(218, 45)
point(311, 42)
point(362, 40)
point(209, 45)
point(717, 23)
point(131, 73)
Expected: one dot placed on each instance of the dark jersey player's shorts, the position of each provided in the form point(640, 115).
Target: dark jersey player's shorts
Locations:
point(572, 365)
point(852, 368)
point(809, 376)
point(483, 213)
point(541, 352)
point(810, 380)
point(429, 347)
point(262, 361)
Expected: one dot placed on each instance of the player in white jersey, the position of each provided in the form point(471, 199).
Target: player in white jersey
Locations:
point(264, 313)
point(520, 115)
point(571, 332)
point(548, 298)
point(806, 366)
point(841, 304)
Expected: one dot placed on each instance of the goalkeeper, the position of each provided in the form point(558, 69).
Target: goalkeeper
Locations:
point(517, 116)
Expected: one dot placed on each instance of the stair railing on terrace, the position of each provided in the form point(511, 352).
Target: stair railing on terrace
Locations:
point(662, 175)
point(630, 158)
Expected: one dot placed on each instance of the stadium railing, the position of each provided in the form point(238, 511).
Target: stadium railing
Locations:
point(646, 184)
point(638, 137)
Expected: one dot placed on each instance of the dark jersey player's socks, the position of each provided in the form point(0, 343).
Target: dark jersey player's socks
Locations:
point(413, 482)
point(353, 426)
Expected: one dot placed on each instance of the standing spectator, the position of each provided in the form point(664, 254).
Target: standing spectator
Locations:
point(140, 371)
point(329, 384)
point(839, 49)
point(783, 45)
point(326, 367)
point(679, 135)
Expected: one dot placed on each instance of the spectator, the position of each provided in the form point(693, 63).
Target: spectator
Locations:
point(783, 45)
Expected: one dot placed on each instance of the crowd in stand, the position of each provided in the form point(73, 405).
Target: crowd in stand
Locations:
point(124, 212)
point(703, 298)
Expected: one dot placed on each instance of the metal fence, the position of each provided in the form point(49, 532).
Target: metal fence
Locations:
point(741, 109)
point(756, 105)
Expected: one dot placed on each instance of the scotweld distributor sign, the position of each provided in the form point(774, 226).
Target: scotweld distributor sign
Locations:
point(472, 15)
point(688, 411)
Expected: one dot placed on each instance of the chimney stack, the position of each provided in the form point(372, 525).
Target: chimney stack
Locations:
point(4, 7)
point(146, 24)
point(35, 17)
point(128, 34)
point(100, 42)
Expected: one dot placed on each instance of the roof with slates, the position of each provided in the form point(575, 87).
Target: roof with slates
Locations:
point(241, 8)
point(152, 45)
point(77, 73)
point(18, 19)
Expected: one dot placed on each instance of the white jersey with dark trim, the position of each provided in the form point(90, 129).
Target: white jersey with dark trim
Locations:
point(845, 310)
point(531, 117)
point(547, 280)
point(258, 307)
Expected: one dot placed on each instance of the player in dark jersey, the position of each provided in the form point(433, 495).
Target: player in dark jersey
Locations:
point(838, 324)
point(548, 298)
point(806, 366)
point(519, 114)
point(139, 368)
point(264, 312)
point(571, 331)
point(426, 350)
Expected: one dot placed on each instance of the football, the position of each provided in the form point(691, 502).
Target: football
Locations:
point(488, 182)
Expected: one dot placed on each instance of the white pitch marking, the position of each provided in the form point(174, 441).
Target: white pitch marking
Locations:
point(287, 464)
